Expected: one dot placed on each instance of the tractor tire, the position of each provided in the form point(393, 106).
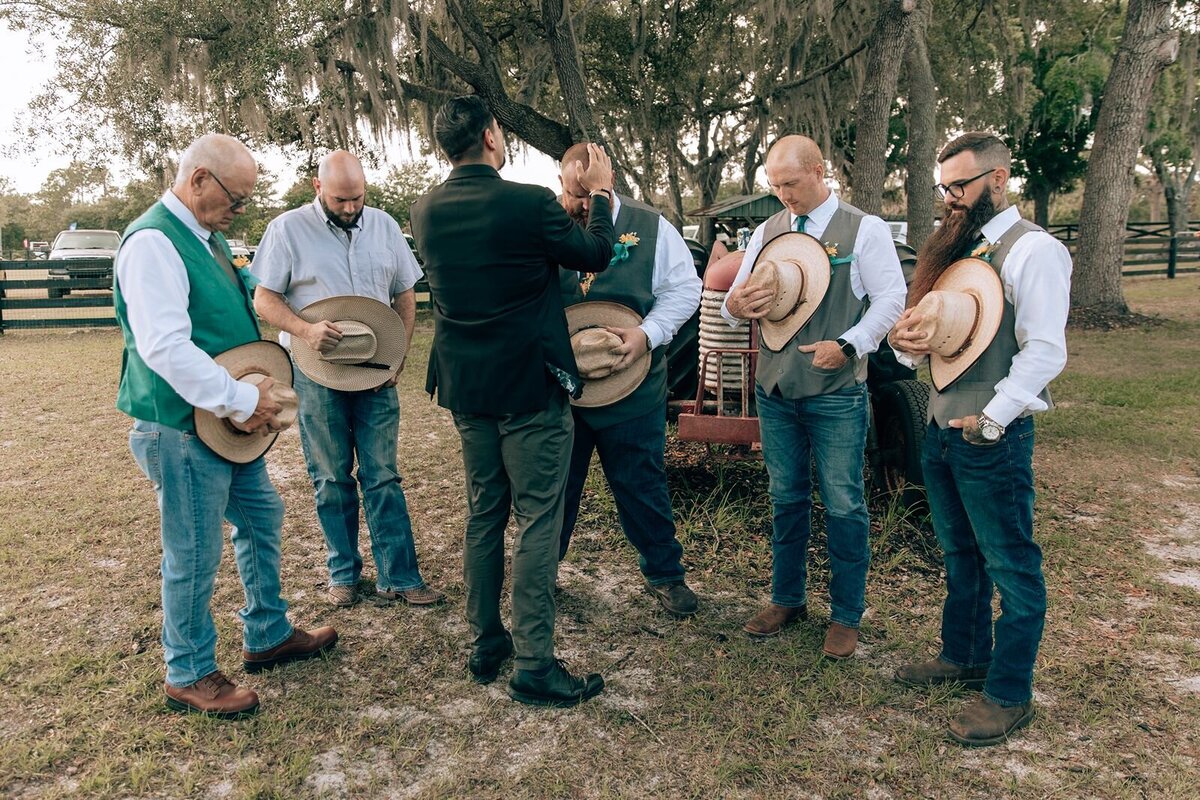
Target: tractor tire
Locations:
point(900, 409)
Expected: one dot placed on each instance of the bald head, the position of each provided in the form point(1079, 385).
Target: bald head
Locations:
point(795, 171)
point(341, 187)
point(576, 152)
point(575, 198)
point(216, 177)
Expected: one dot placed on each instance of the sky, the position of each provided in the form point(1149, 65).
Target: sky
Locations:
point(27, 167)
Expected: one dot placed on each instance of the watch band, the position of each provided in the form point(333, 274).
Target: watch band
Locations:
point(848, 349)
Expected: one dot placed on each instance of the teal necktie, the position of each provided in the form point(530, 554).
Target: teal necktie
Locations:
point(801, 221)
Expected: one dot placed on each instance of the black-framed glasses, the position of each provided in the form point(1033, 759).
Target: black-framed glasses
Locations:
point(235, 203)
point(957, 188)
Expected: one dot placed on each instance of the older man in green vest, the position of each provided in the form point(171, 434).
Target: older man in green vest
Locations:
point(654, 275)
point(812, 394)
point(180, 302)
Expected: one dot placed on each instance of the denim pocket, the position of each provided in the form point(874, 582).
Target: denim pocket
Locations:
point(144, 446)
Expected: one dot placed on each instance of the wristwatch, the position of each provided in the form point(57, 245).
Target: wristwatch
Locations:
point(606, 192)
point(989, 429)
point(847, 348)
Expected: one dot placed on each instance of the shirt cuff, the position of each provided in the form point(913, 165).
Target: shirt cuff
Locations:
point(244, 402)
point(653, 334)
point(912, 362)
point(1011, 402)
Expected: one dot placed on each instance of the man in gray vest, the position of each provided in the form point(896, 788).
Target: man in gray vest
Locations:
point(812, 394)
point(179, 302)
point(654, 275)
point(978, 456)
point(335, 246)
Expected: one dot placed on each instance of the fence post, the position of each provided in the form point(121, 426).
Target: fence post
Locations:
point(1172, 256)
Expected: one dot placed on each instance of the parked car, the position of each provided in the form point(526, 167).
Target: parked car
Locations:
point(242, 253)
point(39, 250)
point(83, 255)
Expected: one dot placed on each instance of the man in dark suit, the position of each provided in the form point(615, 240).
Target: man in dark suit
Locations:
point(502, 363)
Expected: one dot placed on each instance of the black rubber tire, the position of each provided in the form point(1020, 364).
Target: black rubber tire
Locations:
point(900, 409)
point(56, 294)
point(683, 358)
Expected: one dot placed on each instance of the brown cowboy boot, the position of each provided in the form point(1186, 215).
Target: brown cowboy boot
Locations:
point(772, 619)
point(840, 641)
point(936, 672)
point(984, 723)
point(213, 695)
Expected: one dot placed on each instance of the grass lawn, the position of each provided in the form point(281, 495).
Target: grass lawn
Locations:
point(692, 709)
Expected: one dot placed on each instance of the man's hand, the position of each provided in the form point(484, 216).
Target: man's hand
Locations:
point(905, 338)
point(633, 346)
point(970, 429)
point(263, 419)
point(599, 174)
point(827, 354)
point(322, 336)
point(745, 303)
point(392, 380)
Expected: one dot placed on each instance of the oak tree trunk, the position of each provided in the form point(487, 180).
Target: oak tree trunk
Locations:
point(922, 130)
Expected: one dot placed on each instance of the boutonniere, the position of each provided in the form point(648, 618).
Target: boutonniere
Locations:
point(984, 251)
point(625, 243)
point(831, 250)
point(586, 279)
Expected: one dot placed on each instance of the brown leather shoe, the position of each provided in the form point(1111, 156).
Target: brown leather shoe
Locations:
point(772, 619)
point(984, 723)
point(299, 646)
point(936, 672)
point(213, 695)
point(421, 596)
point(840, 641)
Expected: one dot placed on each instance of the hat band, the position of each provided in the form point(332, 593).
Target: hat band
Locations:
point(971, 333)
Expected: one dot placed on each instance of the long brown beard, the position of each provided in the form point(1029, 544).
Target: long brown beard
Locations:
point(959, 230)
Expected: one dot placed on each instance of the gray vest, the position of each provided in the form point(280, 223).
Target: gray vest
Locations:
point(630, 283)
point(790, 373)
point(975, 389)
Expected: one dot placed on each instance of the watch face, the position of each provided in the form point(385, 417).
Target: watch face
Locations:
point(989, 431)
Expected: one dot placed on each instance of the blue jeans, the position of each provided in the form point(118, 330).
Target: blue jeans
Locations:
point(336, 427)
point(830, 430)
point(981, 498)
point(196, 488)
point(631, 454)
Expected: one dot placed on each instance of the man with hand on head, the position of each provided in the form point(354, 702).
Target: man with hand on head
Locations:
point(811, 394)
point(502, 363)
point(337, 246)
point(179, 303)
point(656, 279)
point(978, 451)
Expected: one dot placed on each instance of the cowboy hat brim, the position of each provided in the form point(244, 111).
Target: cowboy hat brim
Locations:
point(263, 358)
point(390, 337)
point(977, 277)
point(619, 385)
point(809, 254)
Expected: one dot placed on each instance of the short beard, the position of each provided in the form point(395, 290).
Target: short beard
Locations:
point(959, 230)
point(336, 220)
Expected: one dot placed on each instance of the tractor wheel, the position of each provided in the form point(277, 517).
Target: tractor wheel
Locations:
point(900, 409)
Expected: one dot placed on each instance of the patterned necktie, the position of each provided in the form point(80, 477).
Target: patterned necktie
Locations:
point(801, 222)
point(219, 254)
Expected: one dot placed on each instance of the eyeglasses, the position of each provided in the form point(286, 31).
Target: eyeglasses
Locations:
point(235, 203)
point(958, 188)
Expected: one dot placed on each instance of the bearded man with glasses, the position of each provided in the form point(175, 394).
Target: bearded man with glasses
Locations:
point(978, 451)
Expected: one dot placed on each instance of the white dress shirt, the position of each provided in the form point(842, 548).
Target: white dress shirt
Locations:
point(874, 274)
point(675, 284)
point(154, 284)
point(305, 257)
point(1036, 275)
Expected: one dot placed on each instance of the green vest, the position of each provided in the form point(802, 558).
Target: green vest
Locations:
point(630, 283)
point(977, 386)
point(790, 373)
point(222, 315)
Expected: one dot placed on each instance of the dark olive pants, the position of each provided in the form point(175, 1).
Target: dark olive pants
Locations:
point(516, 461)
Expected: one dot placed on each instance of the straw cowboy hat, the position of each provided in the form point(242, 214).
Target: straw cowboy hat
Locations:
point(796, 268)
point(961, 316)
point(250, 363)
point(593, 347)
point(368, 354)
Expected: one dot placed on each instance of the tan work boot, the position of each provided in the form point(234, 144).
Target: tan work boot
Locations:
point(213, 695)
point(421, 596)
point(299, 646)
point(772, 619)
point(936, 672)
point(840, 641)
point(984, 723)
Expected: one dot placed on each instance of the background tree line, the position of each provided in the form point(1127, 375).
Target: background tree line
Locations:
point(685, 93)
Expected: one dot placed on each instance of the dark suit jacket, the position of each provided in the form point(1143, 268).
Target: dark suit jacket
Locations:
point(492, 250)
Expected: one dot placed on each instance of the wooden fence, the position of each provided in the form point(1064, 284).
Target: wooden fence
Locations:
point(31, 298)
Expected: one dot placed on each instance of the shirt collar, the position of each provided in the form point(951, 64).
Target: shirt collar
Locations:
point(822, 213)
point(998, 225)
point(185, 215)
point(616, 204)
